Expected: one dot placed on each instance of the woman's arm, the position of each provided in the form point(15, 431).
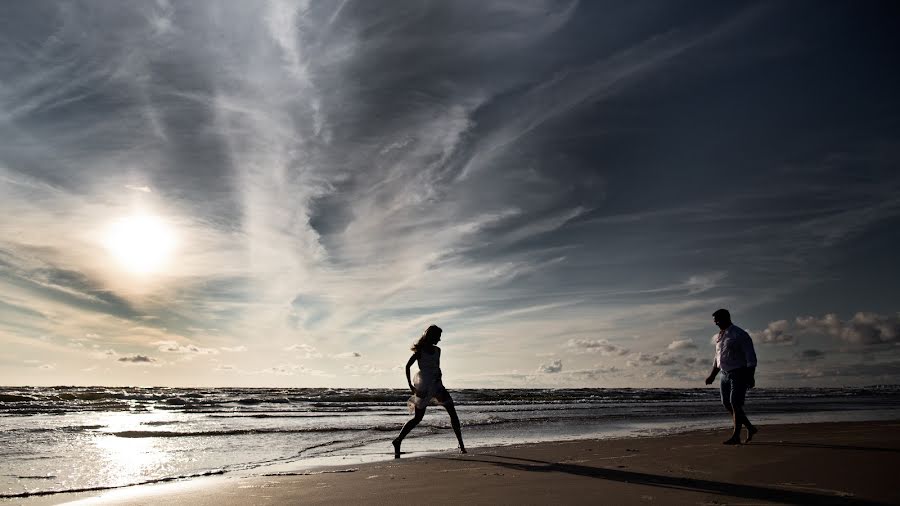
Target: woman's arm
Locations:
point(409, 364)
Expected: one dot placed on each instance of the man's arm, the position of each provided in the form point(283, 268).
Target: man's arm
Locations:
point(750, 358)
point(712, 374)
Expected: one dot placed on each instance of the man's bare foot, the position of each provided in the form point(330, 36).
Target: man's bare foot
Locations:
point(751, 431)
point(396, 444)
point(462, 449)
point(732, 441)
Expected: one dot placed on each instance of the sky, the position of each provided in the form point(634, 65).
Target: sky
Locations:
point(286, 194)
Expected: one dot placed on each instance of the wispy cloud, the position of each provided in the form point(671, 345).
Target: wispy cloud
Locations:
point(338, 176)
point(175, 347)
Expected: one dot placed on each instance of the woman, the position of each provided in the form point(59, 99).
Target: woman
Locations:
point(428, 389)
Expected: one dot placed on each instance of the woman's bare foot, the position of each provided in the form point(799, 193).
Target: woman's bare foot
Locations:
point(751, 431)
point(732, 441)
point(462, 449)
point(396, 444)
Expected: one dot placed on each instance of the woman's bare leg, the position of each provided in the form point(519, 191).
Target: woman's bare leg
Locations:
point(454, 422)
point(405, 430)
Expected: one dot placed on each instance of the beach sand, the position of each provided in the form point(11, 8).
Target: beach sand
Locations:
point(832, 463)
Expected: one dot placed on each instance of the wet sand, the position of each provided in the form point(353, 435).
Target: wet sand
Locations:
point(833, 463)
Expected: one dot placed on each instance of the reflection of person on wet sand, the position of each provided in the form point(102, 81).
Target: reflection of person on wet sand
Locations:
point(428, 388)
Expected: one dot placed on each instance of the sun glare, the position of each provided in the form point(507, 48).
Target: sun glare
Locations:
point(142, 244)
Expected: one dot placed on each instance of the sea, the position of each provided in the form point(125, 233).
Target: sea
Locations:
point(59, 440)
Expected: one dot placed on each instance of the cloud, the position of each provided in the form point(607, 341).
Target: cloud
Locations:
point(594, 373)
point(102, 354)
point(777, 332)
point(829, 324)
point(282, 369)
point(338, 193)
point(601, 346)
point(137, 359)
point(348, 354)
point(364, 369)
point(657, 359)
point(811, 354)
point(551, 368)
point(175, 347)
point(704, 282)
point(864, 328)
point(293, 370)
point(309, 351)
point(872, 328)
point(862, 373)
point(682, 344)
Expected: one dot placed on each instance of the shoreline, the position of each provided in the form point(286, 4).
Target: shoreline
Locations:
point(824, 463)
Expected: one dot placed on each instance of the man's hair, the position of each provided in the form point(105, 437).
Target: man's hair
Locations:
point(722, 313)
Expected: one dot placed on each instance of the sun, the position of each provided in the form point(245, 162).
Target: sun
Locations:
point(141, 244)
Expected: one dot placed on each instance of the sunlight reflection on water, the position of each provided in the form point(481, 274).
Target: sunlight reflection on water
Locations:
point(125, 460)
point(129, 460)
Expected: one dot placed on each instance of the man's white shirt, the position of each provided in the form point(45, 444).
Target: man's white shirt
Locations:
point(734, 349)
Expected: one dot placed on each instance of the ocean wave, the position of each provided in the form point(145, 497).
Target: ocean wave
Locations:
point(15, 398)
point(313, 473)
point(61, 400)
point(231, 432)
point(38, 493)
point(363, 427)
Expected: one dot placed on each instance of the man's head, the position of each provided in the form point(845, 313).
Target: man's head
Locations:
point(722, 318)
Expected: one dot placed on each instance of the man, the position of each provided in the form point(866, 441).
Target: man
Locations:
point(736, 358)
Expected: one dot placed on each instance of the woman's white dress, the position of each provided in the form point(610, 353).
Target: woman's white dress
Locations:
point(430, 390)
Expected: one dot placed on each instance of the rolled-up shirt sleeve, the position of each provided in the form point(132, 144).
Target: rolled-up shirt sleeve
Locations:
point(749, 352)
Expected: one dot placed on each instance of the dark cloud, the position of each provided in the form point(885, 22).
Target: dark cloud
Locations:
point(501, 160)
point(872, 328)
point(137, 359)
point(551, 368)
point(67, 286)
point(864, 328)
point(777, 333)
point(860, 373)
point(811, 354)
point(656, 359)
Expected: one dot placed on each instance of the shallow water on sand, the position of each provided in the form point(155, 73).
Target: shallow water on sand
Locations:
point(64, 439)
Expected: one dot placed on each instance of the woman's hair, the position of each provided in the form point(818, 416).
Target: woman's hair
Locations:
point(427, 337)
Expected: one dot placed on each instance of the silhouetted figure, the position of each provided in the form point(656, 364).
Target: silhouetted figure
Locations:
point(428, 388)
point(736, 358)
